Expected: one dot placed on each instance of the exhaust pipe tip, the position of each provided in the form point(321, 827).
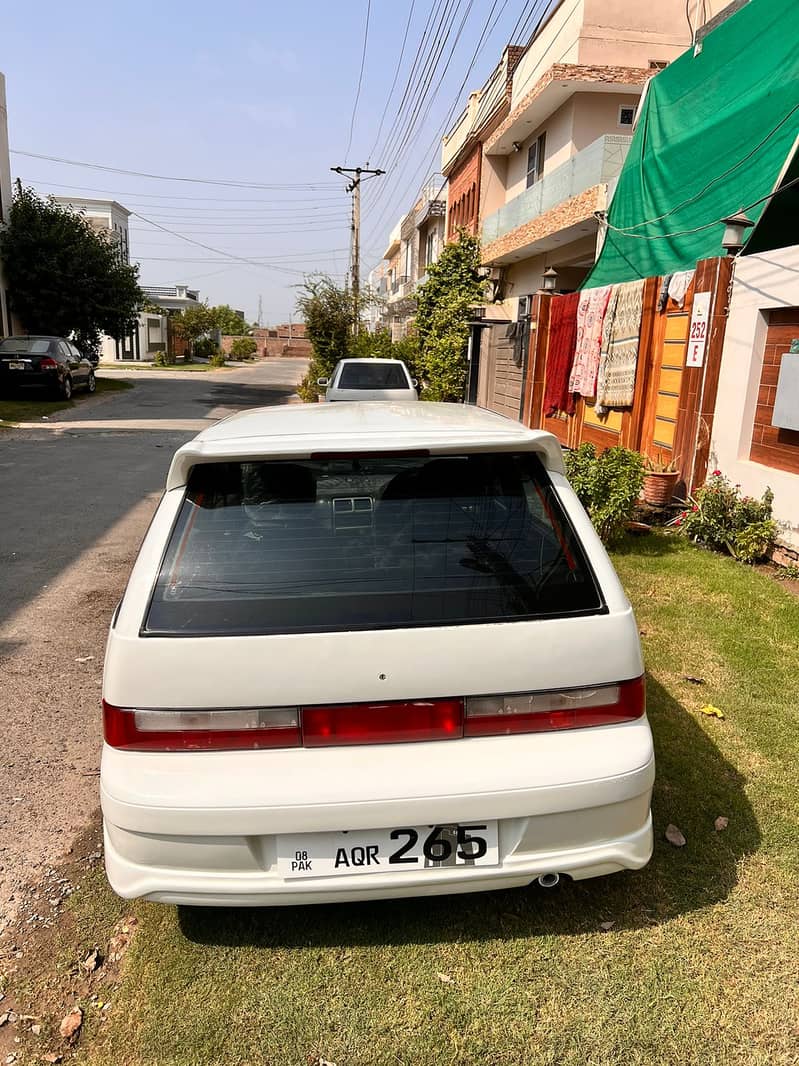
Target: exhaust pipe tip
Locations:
point(549, 880)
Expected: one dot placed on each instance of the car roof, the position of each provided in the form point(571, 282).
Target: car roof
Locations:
point(342, 361)
point(298, 430)
point(32, 337)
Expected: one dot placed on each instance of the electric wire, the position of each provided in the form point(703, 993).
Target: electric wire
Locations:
point(360, 78)
point(167, 177)
point(488, 28)
point(694, 229)
point(392, 147)
point(394, 79)
point(413, 76)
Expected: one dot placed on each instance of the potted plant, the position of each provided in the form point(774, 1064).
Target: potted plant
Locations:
point(660, 480)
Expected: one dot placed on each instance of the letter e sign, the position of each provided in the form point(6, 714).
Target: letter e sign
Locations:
point(697, 337)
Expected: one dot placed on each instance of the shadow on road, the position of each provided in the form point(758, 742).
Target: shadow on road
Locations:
point(695, 783)
point(63, 490)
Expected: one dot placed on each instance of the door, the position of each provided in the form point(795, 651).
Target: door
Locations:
point(79, 366)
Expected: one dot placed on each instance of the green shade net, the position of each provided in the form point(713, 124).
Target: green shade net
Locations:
point(714, 134)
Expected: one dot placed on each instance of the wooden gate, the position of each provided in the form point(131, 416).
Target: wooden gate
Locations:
point(673, 406)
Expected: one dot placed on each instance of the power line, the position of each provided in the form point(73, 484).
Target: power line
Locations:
point(179, 196)
point(168, 177)
point(488, 28)
point(694, 229)
point(416, 121)
point(389, 152)
point(360, 77)
point(434, 11)
point(206, 247)
point(394, 80)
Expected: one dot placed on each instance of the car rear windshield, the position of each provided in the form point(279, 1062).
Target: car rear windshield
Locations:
point(372, 376)
point(30, 345)
point(373, 542)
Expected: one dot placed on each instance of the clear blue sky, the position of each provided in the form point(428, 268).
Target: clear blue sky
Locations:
point(253, 91)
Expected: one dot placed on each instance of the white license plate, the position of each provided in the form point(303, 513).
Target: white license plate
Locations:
point(371, 851)
point(17, 366)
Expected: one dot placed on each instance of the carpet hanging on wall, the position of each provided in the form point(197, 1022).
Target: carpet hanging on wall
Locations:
point(618, 360)
point(590, 317)
point(560, 353)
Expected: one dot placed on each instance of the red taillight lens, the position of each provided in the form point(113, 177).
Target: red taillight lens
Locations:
point(222, 730)
point(46, 363)
point(382, 723)
point(540, 712)
point(394, 722)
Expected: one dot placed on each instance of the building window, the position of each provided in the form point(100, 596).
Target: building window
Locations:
point(658, 64)
point(535, 160)
point(430, 249)
point(626, 115)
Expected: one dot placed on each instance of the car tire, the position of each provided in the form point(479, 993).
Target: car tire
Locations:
point(65, 390)
point(91, 383)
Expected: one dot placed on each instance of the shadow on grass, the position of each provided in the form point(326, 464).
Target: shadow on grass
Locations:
point(695, 784)
point(650, 545)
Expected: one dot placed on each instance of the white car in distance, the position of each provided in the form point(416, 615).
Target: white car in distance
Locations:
point(369, 379)
point(371, 651)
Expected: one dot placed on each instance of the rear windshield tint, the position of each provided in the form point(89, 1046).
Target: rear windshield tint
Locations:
point(369, 543)
point(372, 376)
point(30, 345)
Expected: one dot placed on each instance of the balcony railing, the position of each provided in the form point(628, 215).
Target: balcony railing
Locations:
point(600, 162)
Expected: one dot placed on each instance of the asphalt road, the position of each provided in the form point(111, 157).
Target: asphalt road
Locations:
point(77, 493)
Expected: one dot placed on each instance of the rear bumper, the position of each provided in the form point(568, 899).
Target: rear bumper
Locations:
point(220, 857)
point(202, 888)
point(29, 379)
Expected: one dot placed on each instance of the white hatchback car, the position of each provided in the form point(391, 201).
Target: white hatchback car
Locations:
point(371, 651)
point(369, 379)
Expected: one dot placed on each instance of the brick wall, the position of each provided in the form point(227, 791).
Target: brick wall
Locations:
point(274, 344)
point(771, 445)
point(463, 195)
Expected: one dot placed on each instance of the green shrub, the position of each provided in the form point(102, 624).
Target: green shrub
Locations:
point(243, 348)
point(607, 485)
point(720, 518)
point(218, 359)
point(205, 347)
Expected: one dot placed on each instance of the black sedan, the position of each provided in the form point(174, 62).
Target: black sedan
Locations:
point(50, 363)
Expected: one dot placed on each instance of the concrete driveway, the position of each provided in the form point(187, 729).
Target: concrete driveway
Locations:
point(78, 491)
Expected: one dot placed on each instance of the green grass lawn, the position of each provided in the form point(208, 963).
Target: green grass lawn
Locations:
point(191, 368)
point(23, 409)
point(700, 966)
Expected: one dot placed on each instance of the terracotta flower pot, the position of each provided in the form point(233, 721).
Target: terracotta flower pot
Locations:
point(659, 487)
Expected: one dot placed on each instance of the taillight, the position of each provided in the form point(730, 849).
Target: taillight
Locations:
point(46, 363)
point(222, 730)
point(393, 722)
point(540, 712)
point(382, 723)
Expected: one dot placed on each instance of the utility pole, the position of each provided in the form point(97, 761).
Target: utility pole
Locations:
point(355, 188)
point(260, 311)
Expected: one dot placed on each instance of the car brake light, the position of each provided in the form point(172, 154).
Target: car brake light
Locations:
point(398, 721)
point(46, 363)
point(540, 712)
point(217, 730)
point(382, 723)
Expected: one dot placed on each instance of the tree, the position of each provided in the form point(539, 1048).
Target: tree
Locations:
point(194, 322)
point(64, 278)
point(229, 322)
point(329, 318)
point(444, 306)
point(243, 348)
